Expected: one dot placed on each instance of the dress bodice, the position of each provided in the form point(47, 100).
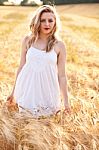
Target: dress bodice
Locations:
point(41, 58)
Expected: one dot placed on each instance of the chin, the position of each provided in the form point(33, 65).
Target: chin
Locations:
point(46, 32)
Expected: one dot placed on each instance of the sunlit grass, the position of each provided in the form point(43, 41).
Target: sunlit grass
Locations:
point(91, 32)
point(9, 22)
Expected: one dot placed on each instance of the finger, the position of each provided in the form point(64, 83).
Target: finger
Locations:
point(8, 98)
point(58, 112)
point(67, 111)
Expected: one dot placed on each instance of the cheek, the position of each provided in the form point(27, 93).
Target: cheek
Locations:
point(52, 25)
point(41, 26)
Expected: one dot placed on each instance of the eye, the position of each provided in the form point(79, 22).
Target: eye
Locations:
point(50, 20)
point(43, 20)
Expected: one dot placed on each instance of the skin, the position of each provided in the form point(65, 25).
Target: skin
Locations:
point(48, 21)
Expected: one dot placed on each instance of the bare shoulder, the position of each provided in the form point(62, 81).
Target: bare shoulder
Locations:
point(25, 42)
point(60, 47)
point(26, 38)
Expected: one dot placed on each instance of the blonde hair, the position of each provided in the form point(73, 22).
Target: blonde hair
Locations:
point(35, 27)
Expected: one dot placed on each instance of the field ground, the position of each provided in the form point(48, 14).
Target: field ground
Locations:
point(80, 32)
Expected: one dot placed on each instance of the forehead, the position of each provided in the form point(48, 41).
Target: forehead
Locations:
point(47, 15)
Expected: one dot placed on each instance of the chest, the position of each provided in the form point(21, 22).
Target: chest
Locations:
point(39, 56)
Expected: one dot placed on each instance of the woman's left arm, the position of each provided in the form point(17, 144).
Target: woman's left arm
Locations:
point(62, 76)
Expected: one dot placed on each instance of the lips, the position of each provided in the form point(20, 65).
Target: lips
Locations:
point(46, 28)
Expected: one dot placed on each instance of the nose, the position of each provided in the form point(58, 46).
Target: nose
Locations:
point(47, 22)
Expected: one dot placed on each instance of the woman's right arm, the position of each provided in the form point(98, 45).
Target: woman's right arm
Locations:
point(22, 62)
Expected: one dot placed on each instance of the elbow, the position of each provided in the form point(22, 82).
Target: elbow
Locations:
point(20, 68)
point(62, 76)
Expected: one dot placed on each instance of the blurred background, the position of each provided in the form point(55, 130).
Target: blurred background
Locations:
point(40, 2)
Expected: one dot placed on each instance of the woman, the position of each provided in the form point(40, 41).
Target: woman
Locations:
point(41, 75)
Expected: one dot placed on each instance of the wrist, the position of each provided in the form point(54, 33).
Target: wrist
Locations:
point(66, 103)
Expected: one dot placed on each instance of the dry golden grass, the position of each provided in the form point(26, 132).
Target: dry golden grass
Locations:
point(78, 131)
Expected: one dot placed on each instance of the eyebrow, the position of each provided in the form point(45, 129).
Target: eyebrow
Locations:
point(45, 19)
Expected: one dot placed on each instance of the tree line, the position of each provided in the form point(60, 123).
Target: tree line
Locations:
point(56, 2)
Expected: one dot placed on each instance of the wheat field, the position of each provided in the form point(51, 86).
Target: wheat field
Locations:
point(78, 131)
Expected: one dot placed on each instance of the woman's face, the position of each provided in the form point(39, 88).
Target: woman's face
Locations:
point(47, 22)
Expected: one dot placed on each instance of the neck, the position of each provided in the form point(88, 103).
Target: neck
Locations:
point(43, 37)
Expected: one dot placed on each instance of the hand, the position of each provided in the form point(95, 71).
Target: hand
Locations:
point(11, 103)
point(10, 98)
point(67, 110)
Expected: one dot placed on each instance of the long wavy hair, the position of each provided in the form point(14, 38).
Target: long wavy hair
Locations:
point(35, 27)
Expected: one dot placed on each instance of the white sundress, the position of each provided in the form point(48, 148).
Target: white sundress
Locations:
point(37, 87)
